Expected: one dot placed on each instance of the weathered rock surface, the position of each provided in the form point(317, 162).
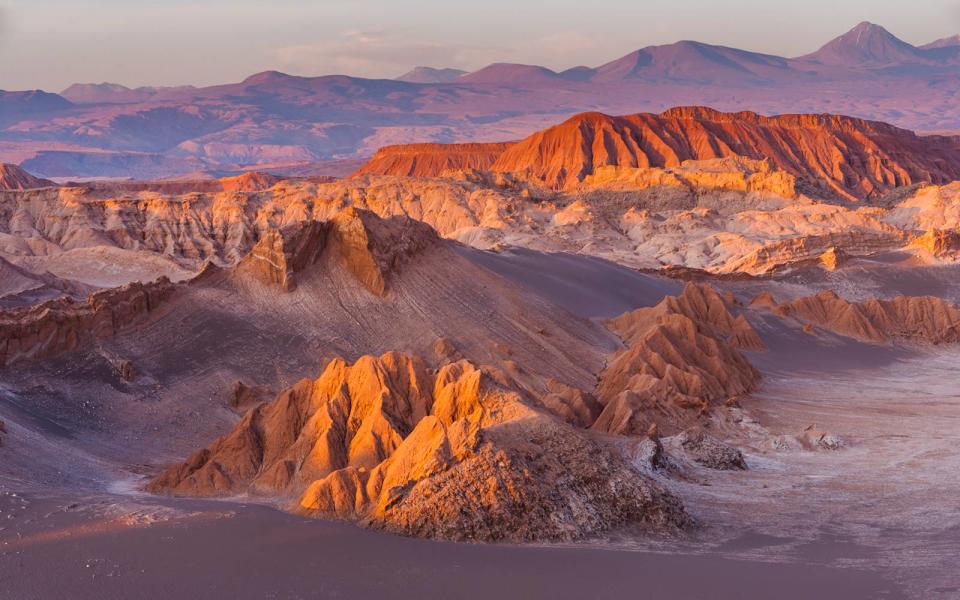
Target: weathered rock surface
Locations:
point(679, 358)
point(375, 247)
point(60, 325)
point(372, 248)
point(848, 157)
point(279, 254)
point(431, 160)
point(452, 454)
point(926, 319)
point(711, 452)
point(13, 177)
point(729, 215)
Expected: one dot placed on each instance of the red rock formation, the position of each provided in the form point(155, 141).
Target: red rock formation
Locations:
point(916, 318)
point(843, 156)
point(372, 248)
point(447, 454)
point(61, 325)
point(281, 253)
point(680, 357)
point(13, 177)
point(431, 160)
point(939, 242)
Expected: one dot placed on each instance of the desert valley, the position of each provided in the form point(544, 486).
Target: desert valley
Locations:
point(488, 334)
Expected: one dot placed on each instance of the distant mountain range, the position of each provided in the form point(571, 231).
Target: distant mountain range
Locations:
point(285, 123)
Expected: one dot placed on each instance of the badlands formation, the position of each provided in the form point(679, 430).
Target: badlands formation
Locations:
point(587, 335)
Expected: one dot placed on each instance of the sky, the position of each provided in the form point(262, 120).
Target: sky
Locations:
point(49, 44)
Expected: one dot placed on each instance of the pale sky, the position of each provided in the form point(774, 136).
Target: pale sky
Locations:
point(48, 44)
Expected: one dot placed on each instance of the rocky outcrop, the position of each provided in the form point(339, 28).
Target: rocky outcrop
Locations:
point(732, 173)
point(61, 325)
point(431, 160)
point(915, 318)
point(13, 177)
point(829, 250)
point(280, 254)
point(371, 248)
point(842, 156)
point(679, 358)
point(833, 258)
point(374, 248)
point(454, 453)
point(939, 243)
point(711, 452)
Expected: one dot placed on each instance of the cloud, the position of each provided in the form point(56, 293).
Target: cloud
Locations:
point(379, 53)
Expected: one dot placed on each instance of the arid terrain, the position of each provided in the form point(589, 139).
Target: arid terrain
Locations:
point(326, 125)
point(675, 354)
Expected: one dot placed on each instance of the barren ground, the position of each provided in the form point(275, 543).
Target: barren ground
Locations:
point(875, 518)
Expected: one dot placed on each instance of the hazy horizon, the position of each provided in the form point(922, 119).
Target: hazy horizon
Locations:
point(148, 42)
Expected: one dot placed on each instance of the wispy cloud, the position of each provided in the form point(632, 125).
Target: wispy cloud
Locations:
point(376, 53)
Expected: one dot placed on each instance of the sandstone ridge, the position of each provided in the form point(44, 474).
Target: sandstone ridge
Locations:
point(926, 319)
point(680, 357)
point(63, 324)
point(843, 156)
point(13, 177)
point(456, 452)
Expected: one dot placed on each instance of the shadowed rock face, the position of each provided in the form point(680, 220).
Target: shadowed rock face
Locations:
point(454, 453)
point(13, 177)
point(680, 357)
point(60, 325)
point(846, 157)
point(280, 254)
point(373, 247)
point(372, 250)
point(916, 318)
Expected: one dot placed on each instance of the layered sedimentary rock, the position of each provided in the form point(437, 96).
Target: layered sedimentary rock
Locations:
point(917, 318)
point(253, 181)
point(13, 177)
point(431, 160)
point(374, 247)
point(733, 173)
point(842, 156)
point(679, 358)
point(939, 243)
point(730, 215)
point(61, 325)
point(371, 249)
point(280, 253)
point(452, 453)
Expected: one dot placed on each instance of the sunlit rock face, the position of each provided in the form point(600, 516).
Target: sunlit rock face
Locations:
point(455, 452)
point(844, 157)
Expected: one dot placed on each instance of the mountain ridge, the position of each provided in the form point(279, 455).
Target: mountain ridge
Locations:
point(292, 124)
point(844, 156)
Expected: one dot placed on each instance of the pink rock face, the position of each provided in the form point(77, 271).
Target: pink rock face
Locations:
point(13, 177)
point(916, 318)
point(430, 160)
point(680, 357)
point(844, 157)
point(61, 325)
